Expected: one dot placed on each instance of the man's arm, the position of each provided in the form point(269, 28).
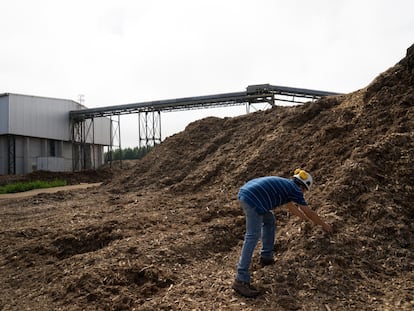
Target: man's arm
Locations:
point(306, 213)
point(295, 211)
point(315, 218)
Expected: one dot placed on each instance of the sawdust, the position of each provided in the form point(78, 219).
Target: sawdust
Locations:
point(166, 233)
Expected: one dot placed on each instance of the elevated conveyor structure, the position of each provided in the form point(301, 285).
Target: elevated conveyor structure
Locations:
point(149, 113)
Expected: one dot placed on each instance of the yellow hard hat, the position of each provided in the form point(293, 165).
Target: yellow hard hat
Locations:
point(303, 177)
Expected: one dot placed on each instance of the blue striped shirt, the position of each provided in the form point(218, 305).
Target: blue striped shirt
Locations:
point(266, 193)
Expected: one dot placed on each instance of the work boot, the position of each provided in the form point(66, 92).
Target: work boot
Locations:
point(266, 261)
point(245, 289)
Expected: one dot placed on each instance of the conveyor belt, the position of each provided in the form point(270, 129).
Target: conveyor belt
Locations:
point(253, 94)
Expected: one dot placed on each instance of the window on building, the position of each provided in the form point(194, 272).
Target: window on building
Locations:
point(52, 148)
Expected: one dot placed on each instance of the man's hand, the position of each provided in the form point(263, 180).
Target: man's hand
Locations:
point(315, 218)
point(305, 213)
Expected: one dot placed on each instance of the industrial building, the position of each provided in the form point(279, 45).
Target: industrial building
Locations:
point(36, 134)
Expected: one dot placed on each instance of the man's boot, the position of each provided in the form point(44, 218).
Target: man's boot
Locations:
point(245, 289)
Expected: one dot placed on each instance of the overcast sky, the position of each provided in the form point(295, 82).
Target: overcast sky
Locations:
point(118, 52)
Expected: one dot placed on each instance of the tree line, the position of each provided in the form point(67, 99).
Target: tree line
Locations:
point(127, 153)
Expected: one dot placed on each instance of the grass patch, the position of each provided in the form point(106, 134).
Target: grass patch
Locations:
point(26, 186)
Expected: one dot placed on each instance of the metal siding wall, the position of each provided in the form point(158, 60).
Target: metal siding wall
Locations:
point(97, 156)
point(4, 114)
point(53, 164)
point(41, 160)
point(67, 155)
point(40, 117)
point(28, 160)
point(35, 152)
point(101, 131)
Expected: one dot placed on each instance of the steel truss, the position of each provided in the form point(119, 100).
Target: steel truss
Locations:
point(115, 140)
point(83, 143)
point(149, 128)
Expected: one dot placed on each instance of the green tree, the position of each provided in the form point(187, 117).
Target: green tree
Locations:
point(128, 153)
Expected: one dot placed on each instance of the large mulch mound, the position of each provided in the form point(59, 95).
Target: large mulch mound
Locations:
point(166, 233)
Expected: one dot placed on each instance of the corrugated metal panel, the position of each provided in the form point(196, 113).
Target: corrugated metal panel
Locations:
point(45, 118)
point(51, 164)
point(98, 131)
point(4, 114)
point(40, 117)
point(103, 131)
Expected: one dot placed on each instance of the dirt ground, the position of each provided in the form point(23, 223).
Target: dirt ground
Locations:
point(30, 193)
point(165, 233)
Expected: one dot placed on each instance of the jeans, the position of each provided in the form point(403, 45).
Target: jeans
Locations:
point(257, 226)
